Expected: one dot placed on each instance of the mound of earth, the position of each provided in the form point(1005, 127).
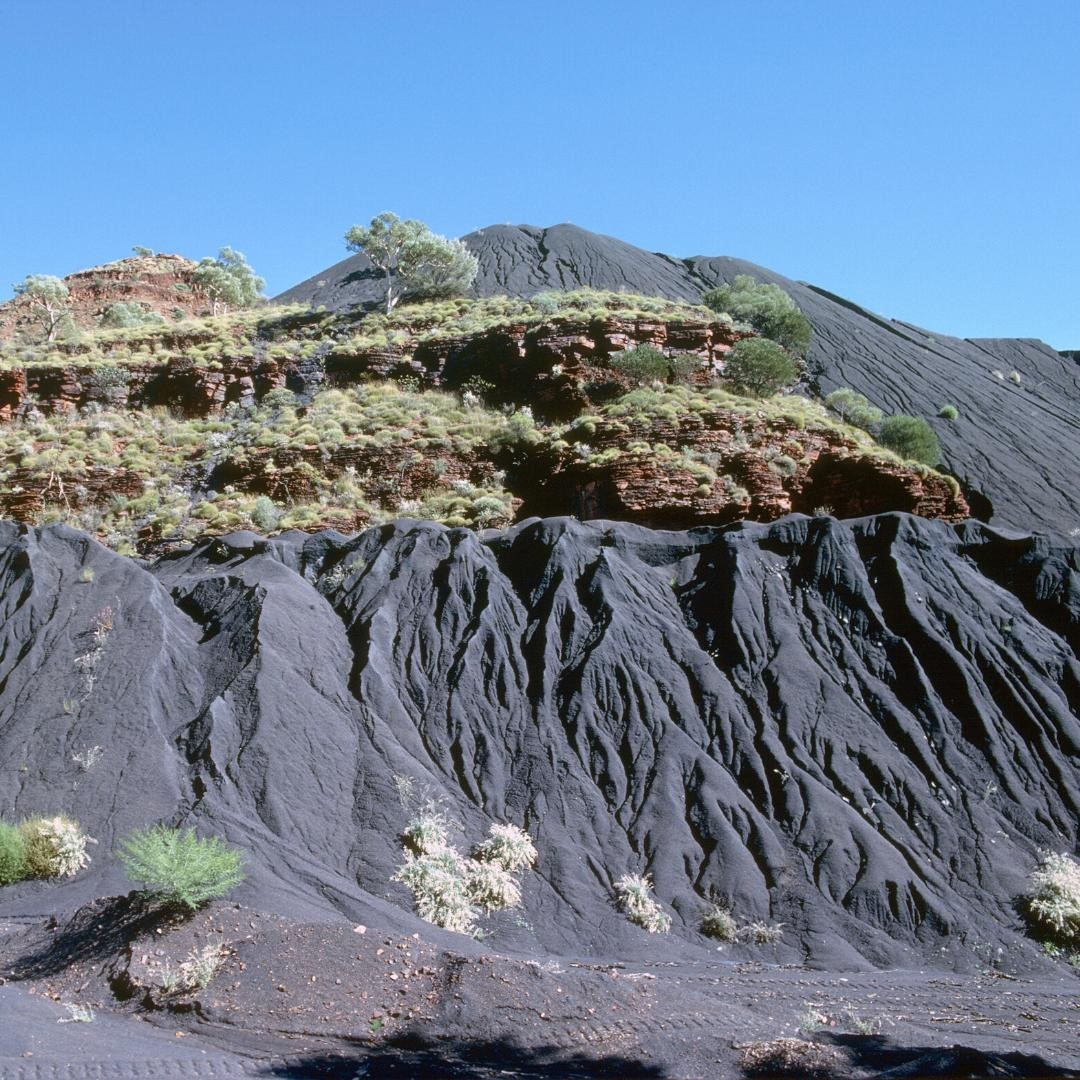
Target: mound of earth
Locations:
point(1017, 439)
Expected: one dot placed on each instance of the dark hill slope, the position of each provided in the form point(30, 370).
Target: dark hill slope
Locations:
point(1016, 443)
point(864, 730)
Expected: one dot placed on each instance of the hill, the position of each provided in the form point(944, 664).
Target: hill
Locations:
point(1015, 448)
point(160, 284)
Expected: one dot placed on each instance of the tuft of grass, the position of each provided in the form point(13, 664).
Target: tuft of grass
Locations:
point(720, 924)
point(179, 868)
point(1054, 902)
point(635, 895)
point(949, 412)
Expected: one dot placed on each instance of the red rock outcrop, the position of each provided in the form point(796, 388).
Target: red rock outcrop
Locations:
point(722, 465)
point(161, 283)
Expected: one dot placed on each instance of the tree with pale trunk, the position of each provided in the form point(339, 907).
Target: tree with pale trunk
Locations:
point(48, 298)
point(415, 262)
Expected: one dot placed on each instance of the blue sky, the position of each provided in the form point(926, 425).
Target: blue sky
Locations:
point(920, 158)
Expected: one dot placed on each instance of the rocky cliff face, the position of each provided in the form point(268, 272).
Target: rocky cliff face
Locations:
point(1015, 446)
point(82, 436)
point(863, 731)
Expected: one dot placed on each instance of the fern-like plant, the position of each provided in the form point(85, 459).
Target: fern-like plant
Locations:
point(179, 868)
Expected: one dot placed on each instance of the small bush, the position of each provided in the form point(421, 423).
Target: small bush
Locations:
point(639, 905)
point(507, 846)
point(265, 514)
point(428, 832)
point(682, 367)
point(759, 367)
point(949, 412)
point(720, 924)
point(491, 886)
point(55, 847)
point(642, 363)
point(767, 308)
point(790, 1057)
point(437, 882)
point(179, 868)
point(784, 465)
point(12, 854)
point(853, 408)
point(1055, 896)
point(910, 437)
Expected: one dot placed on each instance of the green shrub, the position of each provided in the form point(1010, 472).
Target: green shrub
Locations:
point(1055, 896)
point(682, 367)
point(179, 868)
point(910, 437)
point(949, 412)
point(642, 363)
point(12, 854)
point(759, 367)
point(853, 408)
point(126, 313)
point(265, 514)
point(767, 308)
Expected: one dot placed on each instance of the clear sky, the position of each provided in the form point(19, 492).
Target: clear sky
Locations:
point(921, 158)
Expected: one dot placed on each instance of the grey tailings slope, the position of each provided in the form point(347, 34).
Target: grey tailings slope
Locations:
point(863, 730)
point(1016, 443)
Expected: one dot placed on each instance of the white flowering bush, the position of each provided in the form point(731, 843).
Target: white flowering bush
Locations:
point(507, 846)
point(55, 847)
point(491, 886)
point(448, 888)
point(1055, 895)
point(635, 895)
point(438, 884)
point(428, 832)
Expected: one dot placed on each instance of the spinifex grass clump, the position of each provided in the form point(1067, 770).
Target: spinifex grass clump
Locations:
point(639, 905)
point(1055, 896)
point(179, 868)
point(448, 887)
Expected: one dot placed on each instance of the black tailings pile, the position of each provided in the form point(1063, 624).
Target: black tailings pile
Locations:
point(864, 731)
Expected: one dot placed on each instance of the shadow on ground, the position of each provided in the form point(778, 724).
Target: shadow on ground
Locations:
point(457, 1060)
point(879, 1056)
point(100, 931)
